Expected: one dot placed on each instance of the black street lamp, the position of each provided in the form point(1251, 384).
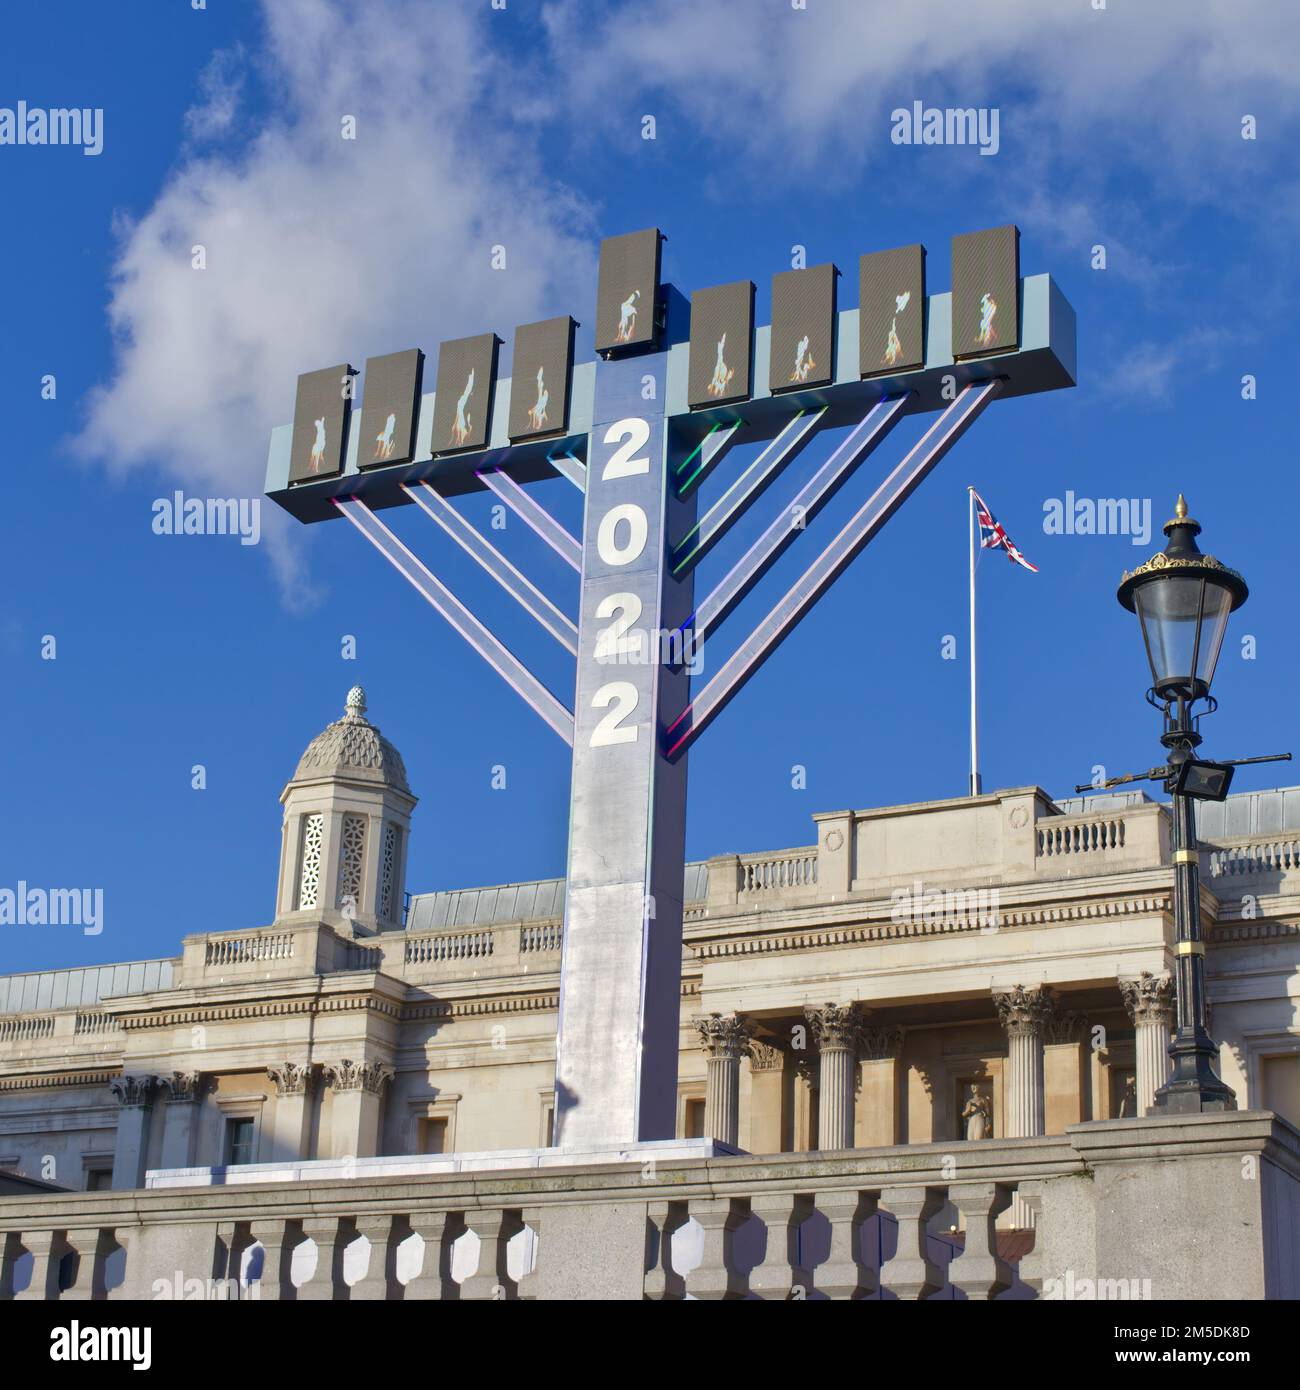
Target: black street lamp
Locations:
point(1182, 599)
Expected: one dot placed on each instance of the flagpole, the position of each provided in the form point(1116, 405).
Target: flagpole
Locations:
point(974, 726)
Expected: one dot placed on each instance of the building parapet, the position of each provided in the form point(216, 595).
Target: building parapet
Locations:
point(719, 1228)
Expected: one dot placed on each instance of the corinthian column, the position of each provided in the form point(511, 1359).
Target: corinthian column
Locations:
point(1024, 1014)
point(836, 1028)
point(724, 1039)
point(1150, 1003)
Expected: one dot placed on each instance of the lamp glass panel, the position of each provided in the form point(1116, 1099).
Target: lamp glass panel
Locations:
point(1169, 609)
point(1214, 624)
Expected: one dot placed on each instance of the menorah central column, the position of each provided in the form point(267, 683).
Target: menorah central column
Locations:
point(620, 976)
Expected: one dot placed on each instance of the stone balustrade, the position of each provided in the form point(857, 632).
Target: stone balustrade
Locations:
point(1251, 858)
point(1080, 835)
point(1102, 842)
point(448, 946)
point(779, 874)
point(56, 1031)
point(23, 1028)
point(1196, 1207)
point(248, 947)
point(493, 950)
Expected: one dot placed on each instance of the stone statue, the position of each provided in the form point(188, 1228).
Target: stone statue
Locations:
point(1128, 1098)
point(976, 1115)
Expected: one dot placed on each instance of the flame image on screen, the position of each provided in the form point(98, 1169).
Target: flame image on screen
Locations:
point(627, 318)
point(722, 374)
point(386, 442)
point(318, 448)
point(894, 348)
point(463, 424)
point(988, 308)
point(803, 362)
point(537, 412)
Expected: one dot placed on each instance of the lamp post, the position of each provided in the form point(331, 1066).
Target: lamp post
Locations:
point(1182, 599)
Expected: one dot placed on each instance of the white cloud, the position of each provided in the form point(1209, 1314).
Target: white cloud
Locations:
point(220, 85)
point(321, 249)
point(771, 77)
point(1085, 95)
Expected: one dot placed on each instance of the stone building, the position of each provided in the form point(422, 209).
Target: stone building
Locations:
point(994, 965)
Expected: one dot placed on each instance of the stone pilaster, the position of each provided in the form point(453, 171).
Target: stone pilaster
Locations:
point(135, 1096)
point(836, 1029)
point(1024, 1014)
point(358, 1092)
point(878, 1120)
point(1150, 1003)
point(291, 1117)
point(766, 1130)
point(185, 1091)
point(724, 1039)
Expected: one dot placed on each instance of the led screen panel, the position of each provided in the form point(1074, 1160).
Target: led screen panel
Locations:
point(803, 328)
point(722, 334)
point(390, 407)
point(627, 290)
point(320, 423)
point(539, 378)
point(985, 292)
point(461, 410)
point(891, 311)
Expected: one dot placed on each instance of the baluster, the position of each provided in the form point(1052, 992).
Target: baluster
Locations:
point(781, 1272)
point(439, 1230)
point(842, 1275)
point(529, 1282)
point(491, 1280)
point(11, 1249)
point(662, 1281)
point(277, 1241)
point(912, 1274)
point(88, 1284)
point(979, 1271)
point(332, 1235)
point(716, 1277)
point(46, 1249)
point(379, 1281)
point(1030, 1195)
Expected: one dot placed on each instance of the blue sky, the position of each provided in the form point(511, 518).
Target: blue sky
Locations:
point(523, 127)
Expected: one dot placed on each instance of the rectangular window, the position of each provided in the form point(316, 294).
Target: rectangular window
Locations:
point(694, 1120)
point(1281, 1078)
point(99, 1179)
point(239, 1141)
point(433, 1135)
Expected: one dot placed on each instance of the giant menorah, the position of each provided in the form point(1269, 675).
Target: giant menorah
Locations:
point(675, 392)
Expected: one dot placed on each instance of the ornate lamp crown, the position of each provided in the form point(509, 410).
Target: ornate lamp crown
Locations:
point(1182, 556)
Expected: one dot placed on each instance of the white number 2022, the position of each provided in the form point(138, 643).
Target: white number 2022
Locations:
point(615, 547)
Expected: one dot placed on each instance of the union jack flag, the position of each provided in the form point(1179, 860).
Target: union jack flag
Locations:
point(993, 535)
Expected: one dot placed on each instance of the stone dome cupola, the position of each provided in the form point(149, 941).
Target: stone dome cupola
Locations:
point(347, 820)
point(352, 747)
